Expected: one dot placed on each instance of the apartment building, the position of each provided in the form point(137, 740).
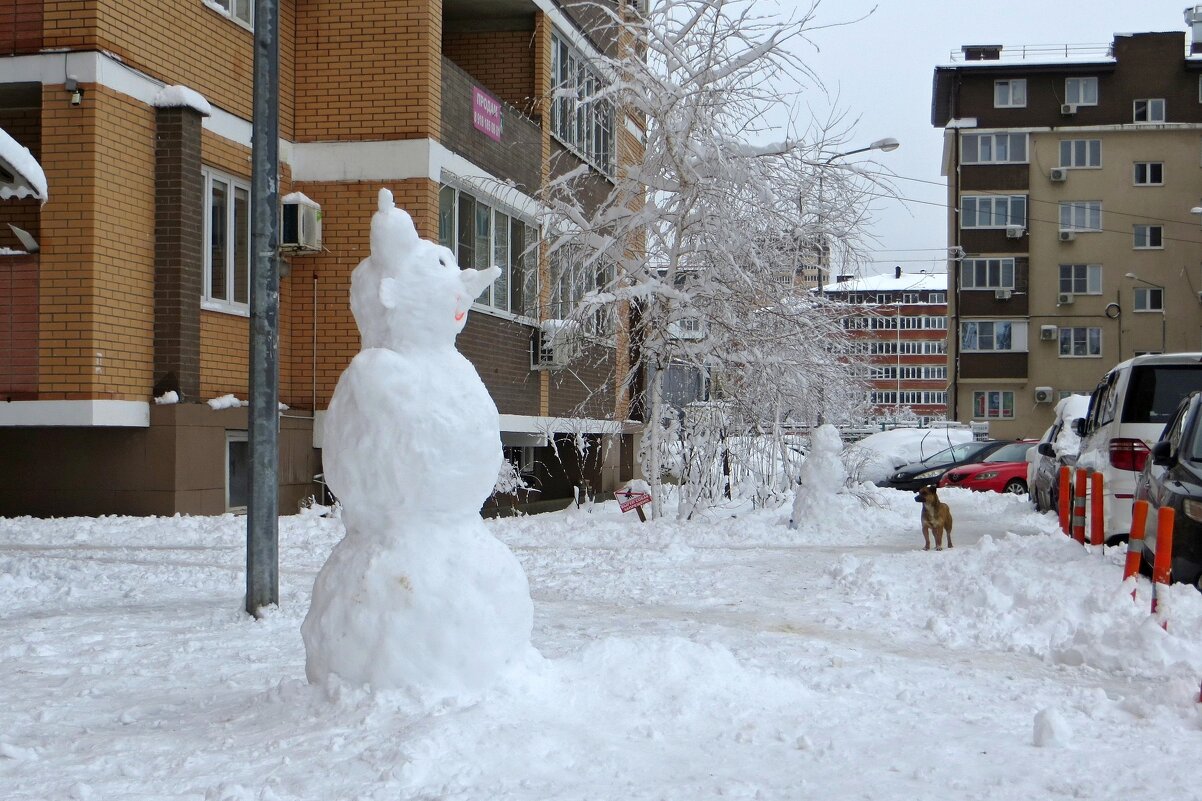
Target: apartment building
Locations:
point(140, 115)
point(897, 334)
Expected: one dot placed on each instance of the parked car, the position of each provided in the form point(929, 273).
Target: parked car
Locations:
point(1127, 411)
point(1058, 446)
point(1172, 477)
point(1004, 470)
point(911, 476)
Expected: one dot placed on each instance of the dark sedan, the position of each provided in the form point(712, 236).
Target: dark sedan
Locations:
point(928, 471)
point(1172, 477)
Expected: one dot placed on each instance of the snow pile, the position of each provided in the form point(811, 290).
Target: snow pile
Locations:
point(418, 596)
point(169, 397)
point(877, 455)
point(182, 97)
point(225, 402)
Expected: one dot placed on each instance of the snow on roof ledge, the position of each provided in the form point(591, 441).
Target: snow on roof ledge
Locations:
point(182, 97)
point(963, 122)
point(20, 174)
point(300, 198)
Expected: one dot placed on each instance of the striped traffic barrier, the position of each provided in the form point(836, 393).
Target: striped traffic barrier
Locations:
point(1097, 521)
point(1079, 507)
point(1065, 498)
point(1162, 565)
point(1135, 542)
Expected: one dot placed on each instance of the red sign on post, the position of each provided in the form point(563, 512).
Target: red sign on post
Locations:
point(486, 114)
point(628, 500)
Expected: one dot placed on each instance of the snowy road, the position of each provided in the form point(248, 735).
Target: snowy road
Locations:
point(731, 659)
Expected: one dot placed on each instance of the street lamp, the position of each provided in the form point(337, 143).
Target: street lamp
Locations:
point(1135, 277)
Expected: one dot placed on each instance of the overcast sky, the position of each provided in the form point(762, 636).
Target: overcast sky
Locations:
point(881, 69)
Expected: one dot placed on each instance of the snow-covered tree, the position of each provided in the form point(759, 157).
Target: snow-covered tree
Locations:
point(700, 237)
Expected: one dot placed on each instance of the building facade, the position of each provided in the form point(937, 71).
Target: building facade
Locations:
point(1071, 182)
point(140, 115)
point(897, 335)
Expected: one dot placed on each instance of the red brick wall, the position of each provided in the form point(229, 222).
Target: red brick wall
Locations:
point(18, 327)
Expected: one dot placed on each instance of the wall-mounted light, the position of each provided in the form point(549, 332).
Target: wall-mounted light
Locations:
point(72, 86)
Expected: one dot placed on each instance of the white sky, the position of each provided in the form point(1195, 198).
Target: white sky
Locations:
point(880, 71)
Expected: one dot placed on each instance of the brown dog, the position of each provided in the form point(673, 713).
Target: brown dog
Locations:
point(936, 518)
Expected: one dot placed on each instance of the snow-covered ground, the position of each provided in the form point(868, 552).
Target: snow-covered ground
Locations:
point(724, 658)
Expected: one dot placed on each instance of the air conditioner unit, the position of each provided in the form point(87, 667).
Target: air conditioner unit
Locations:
point(1058, 174)
point(1068, 236)
point(1068, 108)
point(300, 224)
point(1014, 231)
point(1047, 333)
point(554, 345)
point(1064, 298)
point(1044, 394)
point(1002, 294)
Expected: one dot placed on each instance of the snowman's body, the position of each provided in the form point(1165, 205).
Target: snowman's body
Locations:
point(418, 595)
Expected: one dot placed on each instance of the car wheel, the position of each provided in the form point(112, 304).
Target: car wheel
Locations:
point(1016, 487)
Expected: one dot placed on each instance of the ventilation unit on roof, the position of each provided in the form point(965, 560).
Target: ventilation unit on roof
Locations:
point(1014, 231)
point(1047, 333)
point(1068, 236)
point(300, 224)
point(1068, 108)
point(1002, 294)
point(1044, 394)
point(1058, 174)
point(1064, 298)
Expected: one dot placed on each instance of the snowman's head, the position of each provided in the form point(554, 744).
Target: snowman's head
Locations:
point(411, 291)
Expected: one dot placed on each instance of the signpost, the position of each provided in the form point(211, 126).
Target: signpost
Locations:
point(630, 499)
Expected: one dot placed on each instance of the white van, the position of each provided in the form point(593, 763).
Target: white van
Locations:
point(1127, 412)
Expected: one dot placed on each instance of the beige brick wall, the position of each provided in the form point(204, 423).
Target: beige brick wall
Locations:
point(372, 70)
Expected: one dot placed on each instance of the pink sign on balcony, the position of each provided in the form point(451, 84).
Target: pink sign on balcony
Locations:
point(486, 114)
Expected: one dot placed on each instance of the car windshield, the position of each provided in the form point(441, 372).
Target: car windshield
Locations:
point(1014, 452)
point(1155, 390)
point(956, 453)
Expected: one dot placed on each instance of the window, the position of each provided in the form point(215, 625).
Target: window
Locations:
point(237, 471)
point(1081, 91)
point(1011, 93)
point(1081, 215)
point(989, 211)
point(1149, 110)
point(576, 273)
point(882, 298)
point(581, 117)
point(993, 405)
point(911, 373)
point(227, 243)
point(1149, 173)
point(1081, 279)
point(937, 297)
point(238, 10)
point(881, 373)
point(994, 148)
point(483, 236)
point(1080, 153)
point(990, 335)
point(933, 373)
point(910, 298)
point(1149, 237)
point(1149, 299)
point(1078, 342)
point(987, 274)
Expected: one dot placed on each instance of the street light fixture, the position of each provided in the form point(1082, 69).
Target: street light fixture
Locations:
point(1162, 289)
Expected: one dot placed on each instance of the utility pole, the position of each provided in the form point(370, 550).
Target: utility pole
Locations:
point(262, 518)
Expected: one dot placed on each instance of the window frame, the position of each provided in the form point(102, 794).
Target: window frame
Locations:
point(1144, 306)
point(1074, 206)
point(1153, 236)
point(973, 264)
point(234, 185)
point(239, 436)
point(1090, 334)
point(1015, 330)
point(1011, 84)
point(1091, 276)
point(1002, 395)
point(993, 137)
point(1153, 173)
point(1075, 85)
point(228, 9)
point(1150, 103)
point(992, 201)
point(1090, 147)
point(586, 123)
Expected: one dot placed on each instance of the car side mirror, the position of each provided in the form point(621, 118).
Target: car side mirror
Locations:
point(1162, 453)
point(1079, 426)
point(1047, 449)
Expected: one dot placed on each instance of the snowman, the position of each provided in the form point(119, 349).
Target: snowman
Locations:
point(417, 596)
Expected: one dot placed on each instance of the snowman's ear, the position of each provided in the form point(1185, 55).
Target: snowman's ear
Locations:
point(390, 292)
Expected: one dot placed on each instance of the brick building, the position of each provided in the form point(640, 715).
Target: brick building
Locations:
point(140, 112)
point(1072, 173)
point(898, 336)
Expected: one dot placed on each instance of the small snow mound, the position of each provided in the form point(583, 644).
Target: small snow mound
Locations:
point(224, 402)
point(167, 398)
point(1051, 730)
point(182, 97)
